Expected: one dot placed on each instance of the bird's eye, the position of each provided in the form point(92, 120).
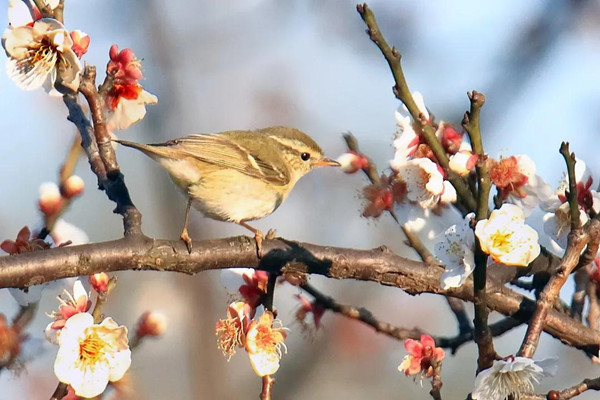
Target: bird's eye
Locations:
point(305, 156)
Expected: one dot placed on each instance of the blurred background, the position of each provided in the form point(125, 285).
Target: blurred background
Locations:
point(230, 64)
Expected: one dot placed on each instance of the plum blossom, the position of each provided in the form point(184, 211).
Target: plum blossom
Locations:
point(264, 344)
point(455, 251)
point(422, 357)
point(517, 182)
point(512, 376)
point(41, 54)
point(126, 100)
point(557, 220)
point(70, 304)
point(424, 181)
point(90, 355)
point(506, 237)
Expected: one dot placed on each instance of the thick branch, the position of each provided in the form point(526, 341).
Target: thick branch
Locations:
point(377, 265)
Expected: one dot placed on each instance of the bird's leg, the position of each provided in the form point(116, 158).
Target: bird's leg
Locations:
point(258, 237)
point(184, 233)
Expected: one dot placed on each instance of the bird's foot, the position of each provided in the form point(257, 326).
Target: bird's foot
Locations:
point(258, 238)
point(187, 240)
point(271, 234)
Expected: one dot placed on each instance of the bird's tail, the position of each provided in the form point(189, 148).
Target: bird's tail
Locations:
point(152, 151)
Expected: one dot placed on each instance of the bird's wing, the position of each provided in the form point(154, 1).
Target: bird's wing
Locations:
point(223, 152)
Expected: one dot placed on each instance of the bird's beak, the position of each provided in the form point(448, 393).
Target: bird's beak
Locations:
point(326, 162)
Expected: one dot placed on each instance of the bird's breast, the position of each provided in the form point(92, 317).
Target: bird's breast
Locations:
point(228, 195)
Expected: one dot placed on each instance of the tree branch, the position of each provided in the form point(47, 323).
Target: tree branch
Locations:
point(377, 265)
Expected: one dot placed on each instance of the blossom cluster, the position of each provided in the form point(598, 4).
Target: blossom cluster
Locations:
point(90, 355)
point(262, 336)
point(42, 52)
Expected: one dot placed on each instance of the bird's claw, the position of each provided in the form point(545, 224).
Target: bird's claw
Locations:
point(187, 240)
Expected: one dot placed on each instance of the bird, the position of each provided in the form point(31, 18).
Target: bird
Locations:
point(236, 176)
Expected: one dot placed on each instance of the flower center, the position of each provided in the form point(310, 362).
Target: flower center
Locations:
point(92, 348)
point(501, 241)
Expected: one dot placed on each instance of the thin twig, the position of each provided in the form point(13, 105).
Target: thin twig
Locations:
point(577, 239)
point(402, 92)
point(361, 314)
point(101, 299)
point(97, 144)
point(483, 335)
point(582, 279)
point(568, 393)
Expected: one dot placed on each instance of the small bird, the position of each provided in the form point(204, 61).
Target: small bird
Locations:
point(237, 176)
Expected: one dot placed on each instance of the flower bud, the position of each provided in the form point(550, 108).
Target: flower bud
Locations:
point(50, 199)
point(151, 323)
point(73, 186)
point(99, 282)
point(81, 41)
point(352, 161)
point(463, 162)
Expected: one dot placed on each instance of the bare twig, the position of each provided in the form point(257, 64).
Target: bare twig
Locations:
point(577, 239)
point(361, 314)
point(403, 93)
point(483, 335)
point(582, 279)
point(97, 145)
point(568, 393)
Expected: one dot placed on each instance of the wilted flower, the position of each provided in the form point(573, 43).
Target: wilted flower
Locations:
point(41, 54)
point(264, 343)
point(422, 356)
point(231, 332)
point(506, 237)
point(10, 343)
point(382, 196)
point(513, 376)
point(306, 308)
point(90, 355)
point(455, 251)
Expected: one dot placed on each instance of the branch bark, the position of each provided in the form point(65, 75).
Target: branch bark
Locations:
point(282, 256)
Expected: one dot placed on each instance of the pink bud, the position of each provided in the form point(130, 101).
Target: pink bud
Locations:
point(151, 323)
point(50, 199)
point(352, 161)
point(73, 186)
point(99, 282)
point(81, 42)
